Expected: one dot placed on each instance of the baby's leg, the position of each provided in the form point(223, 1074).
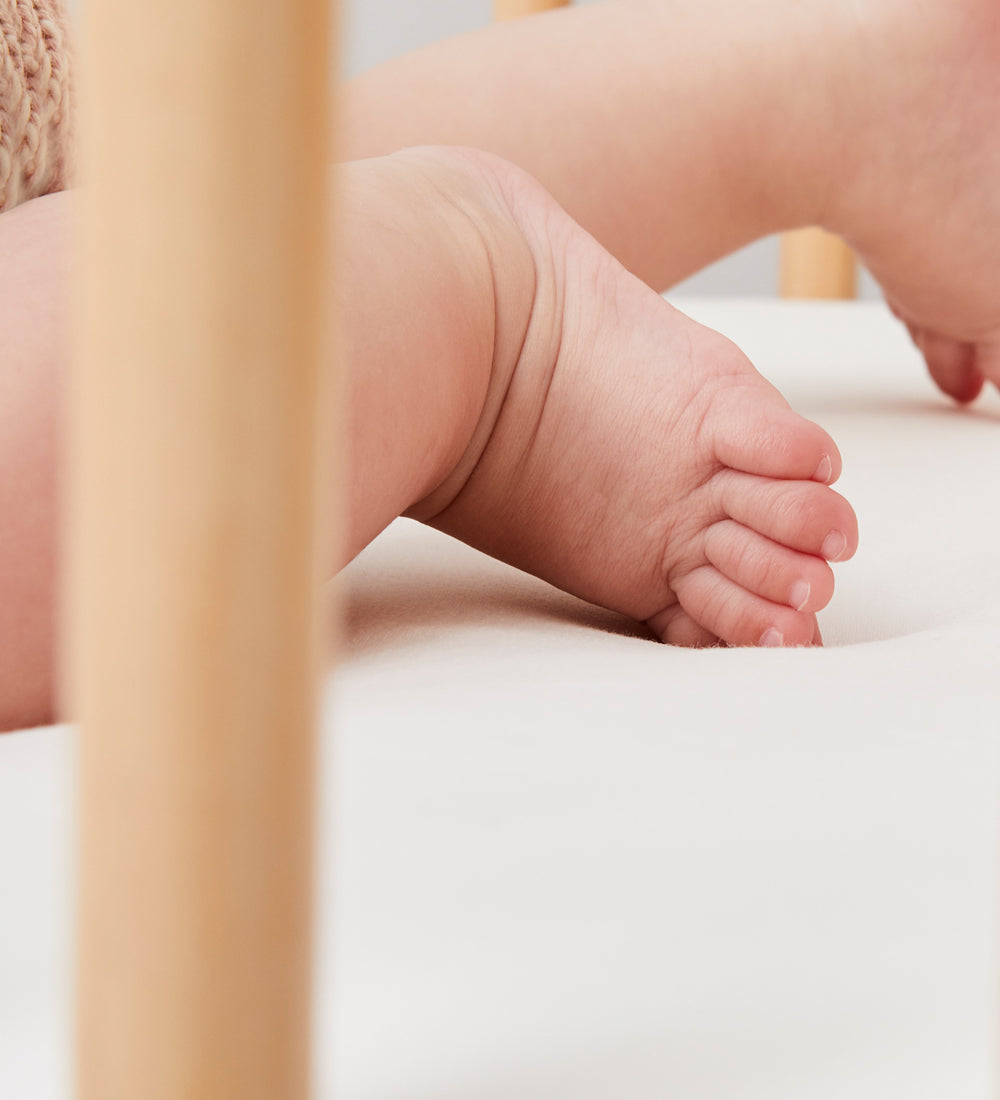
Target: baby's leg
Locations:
point(675, 142)
point(506, 380)
point(34, 285)
point(37, 109)
point(417, 301)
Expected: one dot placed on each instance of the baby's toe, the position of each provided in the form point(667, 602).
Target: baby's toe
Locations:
point(676, 627)
point(802, 515)
point(952, 365)
point(771, 440)
point(737, 616)
point(802, 582)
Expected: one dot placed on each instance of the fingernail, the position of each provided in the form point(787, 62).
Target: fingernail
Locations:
point(833, 546)
point(824, 471)
point(799, 595)
point(772, 637)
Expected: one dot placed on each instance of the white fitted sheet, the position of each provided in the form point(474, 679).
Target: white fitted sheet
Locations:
point(561, 860)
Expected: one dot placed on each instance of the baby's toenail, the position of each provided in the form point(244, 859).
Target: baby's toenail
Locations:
point(772, 637)
point(824, 471)
point(833, 546)
point(799, 595)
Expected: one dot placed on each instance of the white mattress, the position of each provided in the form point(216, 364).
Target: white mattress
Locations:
point(559, 860)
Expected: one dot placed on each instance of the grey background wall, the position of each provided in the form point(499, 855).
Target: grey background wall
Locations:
point(376, 30)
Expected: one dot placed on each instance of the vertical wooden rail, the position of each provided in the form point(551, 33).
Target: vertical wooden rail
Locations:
point(193, 579)
point(514, 9)
point(816, 264)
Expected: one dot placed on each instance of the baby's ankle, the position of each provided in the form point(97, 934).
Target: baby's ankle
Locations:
point(631, 456)
point(436, 289)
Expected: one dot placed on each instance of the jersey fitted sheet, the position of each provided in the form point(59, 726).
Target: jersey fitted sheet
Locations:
point(559, 859)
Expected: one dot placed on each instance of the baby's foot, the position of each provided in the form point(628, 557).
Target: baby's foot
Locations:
point(637, 459)
point(923, 202)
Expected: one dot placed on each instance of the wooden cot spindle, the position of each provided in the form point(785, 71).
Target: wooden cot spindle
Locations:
point(816, 264)
point(194, 456)
point(514, 9)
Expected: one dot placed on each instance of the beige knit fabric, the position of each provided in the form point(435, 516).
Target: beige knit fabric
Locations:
point(36, 100)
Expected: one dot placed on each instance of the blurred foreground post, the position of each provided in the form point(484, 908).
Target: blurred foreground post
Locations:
point(194, 547)
point(816, 264)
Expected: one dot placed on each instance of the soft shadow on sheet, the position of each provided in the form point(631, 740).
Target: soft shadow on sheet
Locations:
point(394, 599)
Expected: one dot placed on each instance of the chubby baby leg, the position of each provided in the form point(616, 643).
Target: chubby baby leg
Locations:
point(34, 303)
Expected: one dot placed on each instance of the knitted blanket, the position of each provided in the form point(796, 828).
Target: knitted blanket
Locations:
point(36, 100)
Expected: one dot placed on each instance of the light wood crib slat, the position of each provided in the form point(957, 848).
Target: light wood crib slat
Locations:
point(816, 264)
point(194, 576)
point(514, 9)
